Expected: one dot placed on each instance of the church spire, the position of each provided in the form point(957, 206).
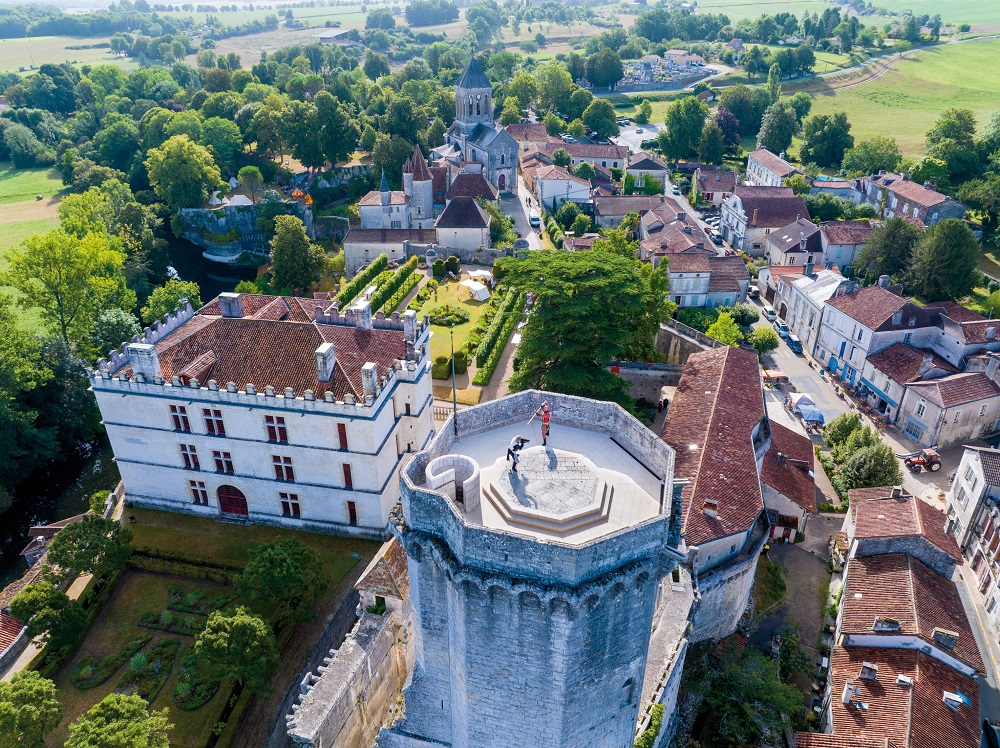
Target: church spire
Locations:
point(384, 187)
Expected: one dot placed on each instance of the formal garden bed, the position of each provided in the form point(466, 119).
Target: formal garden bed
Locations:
point(196, 601)
point(91, 672)
point(191, 689)
point(172, 623)
point(148, 671)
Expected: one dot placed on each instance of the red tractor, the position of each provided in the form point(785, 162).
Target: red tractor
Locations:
point(925, 459)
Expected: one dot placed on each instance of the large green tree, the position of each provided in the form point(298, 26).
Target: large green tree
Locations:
point(170, 296)
point(712, 145)
point(983, 195)
point(683, 125)
point(725, 330)
point(827, 137)
point(182, 172)
point(944, 262)
point(28, 710)
point(93, 546)
point(872, 466)
point(286, 575)
point(295, 262)
point(339, 131)
point(777, 128)
point(251, 178)
point(747, 105)
point(238, 645)
point(120, 721)
point(880, 153)
point(224, 139)
point(888, 251)
point(600, 117)
point(49, 614)
point(604, 68)
point(70, 279)
point(585, 310)
point(953, 140)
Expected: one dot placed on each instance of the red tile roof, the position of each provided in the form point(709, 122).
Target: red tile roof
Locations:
point(914, 716)
point(589, 150)
point(773, 163)
point(792, 476)
point(727, 273)
point(956, 311)
point(716, 180)
point(871, 306)
point(880, 515)
point(904, 363)
point(957, 389)
point(847, 232)
point(718, 404)
point(472, 185)
point(463, 213)
point(528, 133)
point(770, 207)
point(552, 171)
point(901, 588)
point(10, 629)
point(277, 352)
point(822, 740)
point(418, 166)
point(910, 190)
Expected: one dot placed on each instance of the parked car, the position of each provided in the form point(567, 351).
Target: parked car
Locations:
point(638, 130)
point(794, 343)
point(534, 218)
point(769, 314)
point(716, 238)
point(782, 328)
point(676, 190)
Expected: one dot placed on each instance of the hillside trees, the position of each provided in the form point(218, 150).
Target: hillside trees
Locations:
point(944, 261)
point(182, 172)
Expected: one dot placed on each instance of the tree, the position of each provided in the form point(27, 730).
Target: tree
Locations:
point(172, 295)
point(604, 68)
point(748, 701)
point(511, 112)
point(725, 330)
point(112, 328)
point(338, 130)
point(573, 331)
point(554, 85)
point(120, 721)
point(49, 614)
point(24, 148)
point(561, 157)
point(295, 262)
point(774, 83)
point(223, 137)
point(28, 710)
point(581, 225)
point(826, 136)
point(888, 251)
point(286, 575)
point(251, 178)
point(553, 124)
point(389, 155)
point(800, 184)
point(645, 113)
point(238, 645)
point(802, 103)
point(983, 195)
point(600, 117)
point(712, 145)
point(840, 428)
point(929, 169)
point(523, 88)
point(944, 262)
point(94, 545)
point(586, 171)
point(729, 125)
point(747, 105)
point(857, 439)
point(182, 172)
point(745, 315)
point(777, 128)
point(567, 213)
point(69, 279)
point(953, 140)
point(683, 125)
point(872, 466)
point(375, 65)
point(764, 339)
point(880, 153)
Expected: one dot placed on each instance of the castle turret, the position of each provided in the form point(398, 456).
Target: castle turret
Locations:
point(421, 191)
point(408, 178)
point(385, 194)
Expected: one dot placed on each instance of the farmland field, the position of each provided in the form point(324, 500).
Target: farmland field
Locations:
point(16, 54)
point(906, 100)
point(951, 11)
point(756, 8)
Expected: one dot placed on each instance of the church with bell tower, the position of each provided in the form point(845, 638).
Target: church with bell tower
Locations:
point(474, 142)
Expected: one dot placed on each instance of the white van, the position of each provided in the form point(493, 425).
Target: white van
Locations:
point(534, 219)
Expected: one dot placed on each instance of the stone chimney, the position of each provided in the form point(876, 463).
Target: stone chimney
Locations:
point(929, 185)
point(231, 304)
point(144, 360)
point(363, 314)
point(883, 281)
point(781, 458)
point(325, 361)
point(897, 491)
point(904, 177)
point(409, 325)
point(682, 216)
point(753, 221)
point(711, 508)
point(369, 380)
point(809, 269)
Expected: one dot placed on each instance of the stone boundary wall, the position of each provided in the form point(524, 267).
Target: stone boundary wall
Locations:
point(676, 342)
point(646, 380)
point(350, 699)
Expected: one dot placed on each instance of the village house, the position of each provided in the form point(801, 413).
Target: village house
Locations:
point(718, 427)
point(580, 243)
point(789, 488)
point(608, 156)
point(769, 277)
point(610, 210)
point(529, 136)
point(800, 301)
point(706, 97)
point(841, 240)
point(714, 185)
point(642, 165)
point(764, 169)
point(897, 195)
point(750, 214)
point(554, 185)
point(951, 409)
point(667, 230)
point(798, 243)
point(845, 189)
point(270, 409)
point(464, 225)
point(707, 280)
point(887, 374)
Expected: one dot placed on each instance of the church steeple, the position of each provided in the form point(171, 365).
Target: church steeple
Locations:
point(385, 194)
point(473, 97)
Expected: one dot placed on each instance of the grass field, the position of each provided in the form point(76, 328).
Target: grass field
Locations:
point(906, 100)
point(18, 185)
point(951, 11)
point(755, 8)
point(349, 16)
point(23, 54)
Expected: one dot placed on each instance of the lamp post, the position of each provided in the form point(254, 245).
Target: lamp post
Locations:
point(454, 390)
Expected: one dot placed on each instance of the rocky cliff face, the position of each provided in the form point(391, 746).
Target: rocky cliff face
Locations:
point(227, 232)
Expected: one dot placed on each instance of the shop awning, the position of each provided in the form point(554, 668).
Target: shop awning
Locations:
point(877, 391)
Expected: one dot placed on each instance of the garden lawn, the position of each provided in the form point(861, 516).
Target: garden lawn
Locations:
point(769, 585)
point(905, 101)
point(19, 185)
point(450, 292)
point(116, 626)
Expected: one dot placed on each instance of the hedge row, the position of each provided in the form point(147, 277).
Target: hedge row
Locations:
point(388, 290)
point(555, 232)
point(90, 671)
point(397, 298)
point(485, 372)
point(492, 334)
point(360, 282)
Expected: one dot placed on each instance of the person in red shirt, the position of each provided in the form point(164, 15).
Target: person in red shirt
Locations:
point(546, 413)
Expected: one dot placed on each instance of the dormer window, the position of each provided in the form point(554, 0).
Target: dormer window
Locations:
point(869, 671)
point(947, 639)
point(885, 624)
point(897, 317)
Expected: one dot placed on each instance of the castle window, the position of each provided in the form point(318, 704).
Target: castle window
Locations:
point(342, 434)
point(213, 422)
point(283, 468)
point(178, 413)
point(276, 431)
point(352, 513)
point(348, 477)
point(627, 688)
point(223, 462)
point(198, 491)
point(290, 505)
point(501, 159)
point(190, 457)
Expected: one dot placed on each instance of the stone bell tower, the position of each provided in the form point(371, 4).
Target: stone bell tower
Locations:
point(473, 98)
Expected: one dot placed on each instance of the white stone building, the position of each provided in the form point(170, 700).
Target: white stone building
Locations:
point(788, 482)
point(554, 186)
point(889, 372)
point(897, 195)
point(701, 279)
point(800, 300)
point(843, 239)
point(750, 214)
point(764, 169)
point(798, 243)
point(275, 410)
point(949, 410)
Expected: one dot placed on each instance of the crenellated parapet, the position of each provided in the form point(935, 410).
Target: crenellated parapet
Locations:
point(118, 358)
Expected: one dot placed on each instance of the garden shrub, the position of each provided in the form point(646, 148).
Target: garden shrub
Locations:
point(171, 623)
point(485, 371)
point(396, 280)
point(453, 265)
point(192, 690)
point(197, 601)
point(90, 672)
point(441, 368)
point(492, 335)
point(461, 362)
point(147, 680)
point(423, 294)
point(438, 268)
point(448, 315)
point(361, 281)
point(699, 319)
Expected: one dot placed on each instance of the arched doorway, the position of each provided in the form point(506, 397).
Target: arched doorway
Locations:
point(232, 501)
point(502, 182)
